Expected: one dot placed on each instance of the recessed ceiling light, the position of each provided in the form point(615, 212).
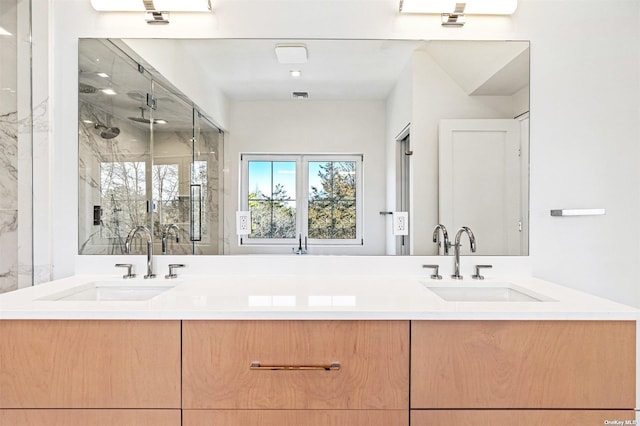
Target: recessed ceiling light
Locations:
point(291, 53)
point(108, 91)
point(295, 73)
point(102, 74)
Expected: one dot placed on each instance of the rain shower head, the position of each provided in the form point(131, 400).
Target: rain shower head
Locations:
point(107, 132)
point(143, 119)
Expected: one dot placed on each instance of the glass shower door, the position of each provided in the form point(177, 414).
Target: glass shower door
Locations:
point(172, 132)
point(206, 184)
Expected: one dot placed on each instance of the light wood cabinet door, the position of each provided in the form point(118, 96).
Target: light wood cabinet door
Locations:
point(90, 364)
point(296, 418)
point(523, 364)
point(518, 417)
point(373, 358)
point(90, 417)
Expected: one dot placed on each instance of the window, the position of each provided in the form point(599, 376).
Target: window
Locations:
point(317, 197)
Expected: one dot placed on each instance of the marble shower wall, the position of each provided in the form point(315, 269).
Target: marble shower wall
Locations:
point(9, 123)
point(8, 201)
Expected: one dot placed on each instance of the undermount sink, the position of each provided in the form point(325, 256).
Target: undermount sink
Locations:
point(495, 292)
point(112, 291)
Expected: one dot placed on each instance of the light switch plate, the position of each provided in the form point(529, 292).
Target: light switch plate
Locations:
point(243, 222)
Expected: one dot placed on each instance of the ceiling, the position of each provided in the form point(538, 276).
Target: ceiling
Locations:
point(248, 70)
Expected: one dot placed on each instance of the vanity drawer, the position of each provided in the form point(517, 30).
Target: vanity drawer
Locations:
point(295, 418)
point(518, 417)
point(523, 364)
point(89, 364)
point(90, 417)
point(373, 358)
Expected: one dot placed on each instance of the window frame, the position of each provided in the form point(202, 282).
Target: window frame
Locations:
point(302, 161)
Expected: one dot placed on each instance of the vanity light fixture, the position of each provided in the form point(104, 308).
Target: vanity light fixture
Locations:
point(453, 12)
point(157, 11)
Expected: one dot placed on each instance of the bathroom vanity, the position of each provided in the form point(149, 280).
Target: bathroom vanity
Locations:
point(346, 351)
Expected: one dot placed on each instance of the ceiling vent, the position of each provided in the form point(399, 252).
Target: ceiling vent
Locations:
point(300, 95)
point(291, 53)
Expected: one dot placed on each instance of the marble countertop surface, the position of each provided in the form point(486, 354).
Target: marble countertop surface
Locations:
point(200, 297)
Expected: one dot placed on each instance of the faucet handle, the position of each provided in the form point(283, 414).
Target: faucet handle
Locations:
point(129, 267)
point(477, 275)
point(435, 275)
point(173, 266)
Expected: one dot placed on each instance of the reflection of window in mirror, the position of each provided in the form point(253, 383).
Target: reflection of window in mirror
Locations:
point(122, 198)
point(315, 196)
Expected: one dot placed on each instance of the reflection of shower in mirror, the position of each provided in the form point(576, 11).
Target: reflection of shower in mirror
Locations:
point(107, 132)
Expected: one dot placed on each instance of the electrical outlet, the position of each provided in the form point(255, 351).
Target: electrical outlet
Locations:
point(243, 222)
point(400, 223)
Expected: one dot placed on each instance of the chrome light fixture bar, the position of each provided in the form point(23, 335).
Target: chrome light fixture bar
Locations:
point(157, 11)
point(455, 19)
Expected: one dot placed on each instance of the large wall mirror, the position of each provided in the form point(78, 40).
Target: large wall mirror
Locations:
point(331, 145)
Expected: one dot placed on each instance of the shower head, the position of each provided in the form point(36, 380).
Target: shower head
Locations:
point(107, 132)
point(86, 88)
point(143, 119)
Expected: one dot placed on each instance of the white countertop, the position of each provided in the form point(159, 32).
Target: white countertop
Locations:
point(305, 297)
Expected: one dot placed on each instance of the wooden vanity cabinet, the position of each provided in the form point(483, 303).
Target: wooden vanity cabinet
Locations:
point(312, 373)
point(370, 372)
point(58, 366)
point(522, 365)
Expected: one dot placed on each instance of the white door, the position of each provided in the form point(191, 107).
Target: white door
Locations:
point(480, 182)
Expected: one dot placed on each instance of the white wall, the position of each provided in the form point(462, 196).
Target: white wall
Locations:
point(584, 114)
point(312, 127)
point(584, 144)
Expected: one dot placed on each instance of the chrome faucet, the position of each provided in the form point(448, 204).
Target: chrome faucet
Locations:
point(147, 234)
point(167, 232)
point(445, 236)
point(456, 249)
point(301, 250)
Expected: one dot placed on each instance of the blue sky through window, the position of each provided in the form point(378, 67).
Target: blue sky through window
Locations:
point(265, 175)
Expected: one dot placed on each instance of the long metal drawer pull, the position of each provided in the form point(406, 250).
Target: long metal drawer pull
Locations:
point(257, 366)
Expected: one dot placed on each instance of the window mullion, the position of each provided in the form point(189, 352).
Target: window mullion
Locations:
point(303, 196)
